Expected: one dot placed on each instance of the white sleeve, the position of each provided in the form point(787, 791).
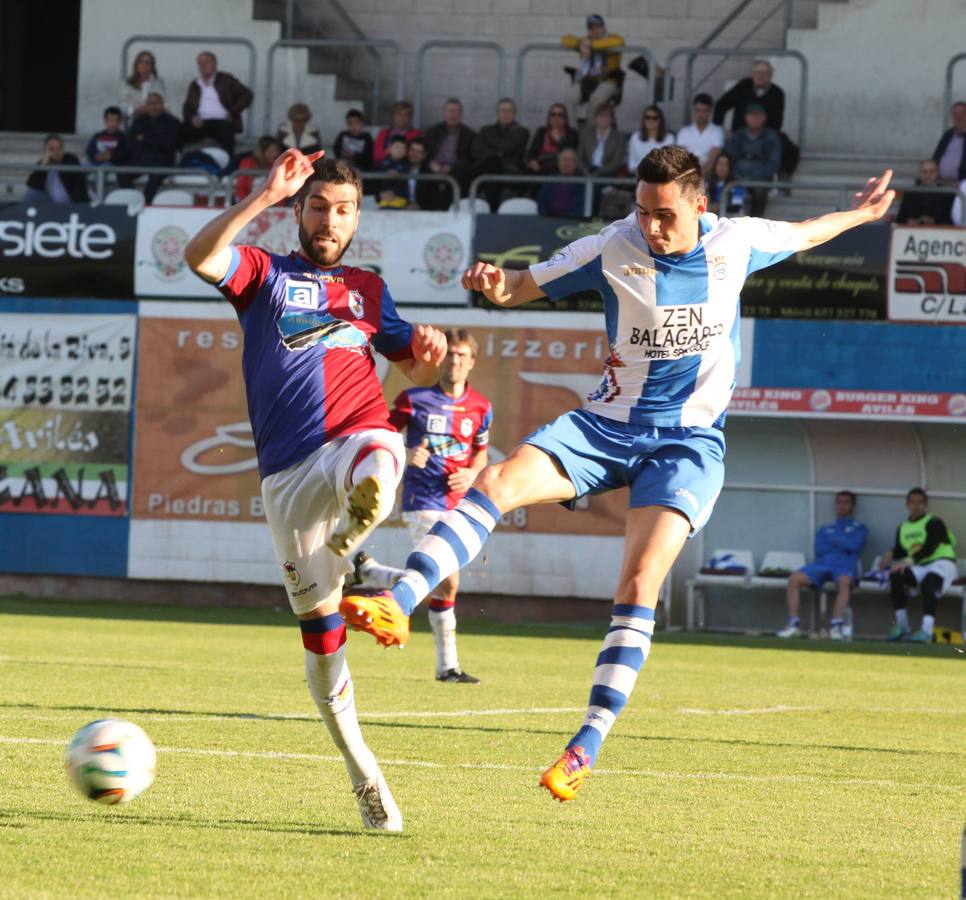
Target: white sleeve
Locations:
point(575, 267)
point(768, 241)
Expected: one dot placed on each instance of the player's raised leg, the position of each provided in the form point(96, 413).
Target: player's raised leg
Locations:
point(654, 537)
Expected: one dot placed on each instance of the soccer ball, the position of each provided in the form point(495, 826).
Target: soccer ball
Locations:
point(111, 761)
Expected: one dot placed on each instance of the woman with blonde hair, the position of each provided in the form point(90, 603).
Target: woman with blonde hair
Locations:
point(143, 80)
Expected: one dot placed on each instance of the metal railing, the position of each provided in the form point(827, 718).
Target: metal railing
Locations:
point(202, 41)
point(310, 43)
point(527, 49)
point(948, 90)
point(196, 180)
point(690, 53)
point(469, 45)
point(589, 182)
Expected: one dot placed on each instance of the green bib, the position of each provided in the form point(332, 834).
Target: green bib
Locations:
point(912, 535)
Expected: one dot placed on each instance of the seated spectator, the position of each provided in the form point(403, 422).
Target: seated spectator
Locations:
point(543, 153)
point(653, 134)
point(838, 548)
point(950, 152)
point(923, 559)
point(391, 192)
point(756, 151)
point(295, 132)
point(267, 150)
point(601, 148)
point(926, 208)
point(109, 144)
point(354, 144)
point(402, 125)
point(421, 193)
point(702, 137)
point(598, 77)
point(449, 145)
point(499, 149)
point(214, 104)
point(153, 140)
point(714, 185)
point(566, 199)
point(56, 187)
point(143, 80)
point(958, 215)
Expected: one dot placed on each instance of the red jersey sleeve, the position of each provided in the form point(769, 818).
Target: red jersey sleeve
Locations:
point(401, 412)
point(246, 274)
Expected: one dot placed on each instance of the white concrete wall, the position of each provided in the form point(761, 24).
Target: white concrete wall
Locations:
point(877, 71)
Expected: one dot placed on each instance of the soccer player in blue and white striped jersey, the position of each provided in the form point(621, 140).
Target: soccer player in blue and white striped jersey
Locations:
point(670, 275)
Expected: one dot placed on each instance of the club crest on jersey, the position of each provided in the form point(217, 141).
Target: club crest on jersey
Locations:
point(637, 270)
point(304, 294)
point(436, 424)
point(719, 267)
point(291, 574)
point(356, 304)
point(466, 427)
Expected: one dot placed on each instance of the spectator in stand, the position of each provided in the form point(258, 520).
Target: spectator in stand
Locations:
point(267, 150)
point(449, 146)
point(756, 151)
point(923, 559)
point(424, 194)
point(958, 217)
point(143, 80)
point(653, 134)
point(702, 137)
point(214, 104)
point(391, 192)
point(295, 132)
point(926, 208)
point(109, 144)
point(544, 151)
point(153, 140)
point(402, 125)
point(598, 76)
point(714, 184)
point(354, 144)
point(950, 152)
point(565, 199)
point(56, 187)
point(499, 149)
point(838, 548)
point(601, 148)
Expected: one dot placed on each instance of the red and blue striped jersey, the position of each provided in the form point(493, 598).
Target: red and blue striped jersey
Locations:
point(455, 428)
point(309, 332)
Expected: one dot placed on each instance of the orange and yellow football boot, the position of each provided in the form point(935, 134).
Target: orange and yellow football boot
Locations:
point(377, 613)
point(566, 776)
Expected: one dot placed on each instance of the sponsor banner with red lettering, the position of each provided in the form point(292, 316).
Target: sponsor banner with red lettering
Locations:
point(421, 255)
point(927, 275)
point(852, 404)
point(65, 402)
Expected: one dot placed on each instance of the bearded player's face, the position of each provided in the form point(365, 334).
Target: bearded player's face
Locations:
point(327, 221)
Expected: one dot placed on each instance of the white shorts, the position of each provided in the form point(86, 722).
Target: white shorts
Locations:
point(302, 505)
point(419, 521)
point(944, 568)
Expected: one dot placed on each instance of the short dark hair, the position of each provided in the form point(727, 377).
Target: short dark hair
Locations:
point(461, 336)
point(703, 99)
point(331, 171)
point(919, 491)
point(53, 136)
point(355, 114)
point(113, 111)
point(848, 494)
point(672, 163)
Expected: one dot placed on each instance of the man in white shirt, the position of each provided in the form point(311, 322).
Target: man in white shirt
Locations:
point(214, 104)
point(702, 137)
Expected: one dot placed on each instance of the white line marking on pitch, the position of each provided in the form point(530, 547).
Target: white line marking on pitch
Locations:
point(759, 711)
point(503, 767)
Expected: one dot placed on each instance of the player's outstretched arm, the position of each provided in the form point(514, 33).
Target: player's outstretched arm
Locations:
point(869, 205)
point(504, 287)
point(208, 252)
point(429, 349)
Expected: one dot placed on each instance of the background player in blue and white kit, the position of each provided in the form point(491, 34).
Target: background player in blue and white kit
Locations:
point(328, 458)
point(670, 277)
point(838, 547)
point(447, 433)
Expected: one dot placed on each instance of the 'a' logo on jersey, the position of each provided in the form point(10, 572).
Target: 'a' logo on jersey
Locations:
point(304, 294)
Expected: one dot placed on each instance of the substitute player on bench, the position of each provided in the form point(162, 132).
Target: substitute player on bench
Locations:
point(328, 458)
point(670, 277)
point(447, 433)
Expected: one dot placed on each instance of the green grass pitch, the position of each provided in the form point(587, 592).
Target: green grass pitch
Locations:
point(741, 767)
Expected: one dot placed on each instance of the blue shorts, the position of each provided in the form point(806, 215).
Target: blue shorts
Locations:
point(682, 468)
point(819, 573)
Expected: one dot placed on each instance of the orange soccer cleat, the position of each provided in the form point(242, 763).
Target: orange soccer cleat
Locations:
point(565, 777)
point(377, 613)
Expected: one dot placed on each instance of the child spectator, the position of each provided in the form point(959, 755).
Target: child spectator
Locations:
point(714, 185)
point(653, 134)
point(392, 193)
point(296, 132)
point(402, 125)
point(267, 150)
point(109, 145)
point(354, 144)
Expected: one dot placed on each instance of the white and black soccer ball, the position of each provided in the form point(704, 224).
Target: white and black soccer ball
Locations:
point(111, 761)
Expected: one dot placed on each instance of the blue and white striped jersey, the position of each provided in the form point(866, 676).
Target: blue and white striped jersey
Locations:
point(672, 321)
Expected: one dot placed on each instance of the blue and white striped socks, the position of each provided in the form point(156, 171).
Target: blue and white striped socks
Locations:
point(450, 544)
point(625, 649)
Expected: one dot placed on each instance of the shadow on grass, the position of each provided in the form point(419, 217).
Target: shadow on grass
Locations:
point(14, 818)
